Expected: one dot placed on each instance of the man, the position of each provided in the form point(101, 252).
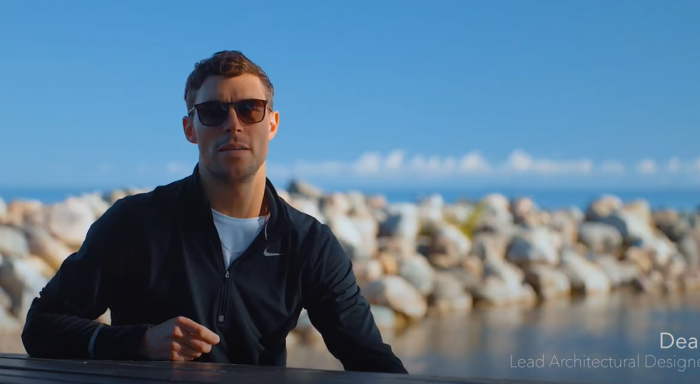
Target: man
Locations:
point(214, 267)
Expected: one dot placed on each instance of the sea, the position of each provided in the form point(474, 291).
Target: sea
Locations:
point(684, 200)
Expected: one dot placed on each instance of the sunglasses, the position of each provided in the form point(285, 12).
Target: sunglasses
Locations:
point(249, 111)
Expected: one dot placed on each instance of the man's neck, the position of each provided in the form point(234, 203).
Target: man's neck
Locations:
point(240, 200)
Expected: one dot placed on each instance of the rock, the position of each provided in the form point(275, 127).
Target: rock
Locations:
point(498, 203)
point(398, 294)
point(458, 213)
point(660, 249)
point(690, 281)
point(22, 282)
point(70, 220)
point(448, 246)
point(25, 212)
point(116, 195)
point(449, 295)
point(565, 222)
point(430, 212)
point(375, 202)
point(3, 211)
point(689, 246)
point(40, 265)
point(13, 243)
point(98, 205)
point(384, 318)
point(496, 292)
point(417, 271)
point(600, 237)
point(389, 262)
point(640, 257)
point(309, 207)
point(503, 270)
point(548, 282)
point(524, 212)
point(533, 246)
point(292, 340)
point(619, 272)
point(467, 279)
point(584, 275)
point(357, 236)
point(489, 246)
point(10, 333)
point(473, 265)
point(308, 333)
point(603, 207)
point(503, 283)
point(675, 268)
point(309, 191)
point(401, 221)
point(633, 226)
point(367, 270)
point(335, 204)
point(651, 283)
point(42, 244)
point(670, 223)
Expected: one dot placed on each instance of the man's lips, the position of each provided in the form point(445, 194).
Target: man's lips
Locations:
point(233, 147)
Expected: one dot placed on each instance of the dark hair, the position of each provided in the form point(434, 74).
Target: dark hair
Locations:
point(224, 63)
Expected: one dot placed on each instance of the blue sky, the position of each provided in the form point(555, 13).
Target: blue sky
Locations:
point(385, 93)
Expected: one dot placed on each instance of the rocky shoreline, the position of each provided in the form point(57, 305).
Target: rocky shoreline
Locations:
point(412, 260)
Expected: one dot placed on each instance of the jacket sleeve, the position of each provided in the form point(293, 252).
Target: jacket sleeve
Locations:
point(60, 322)
point(337, 309)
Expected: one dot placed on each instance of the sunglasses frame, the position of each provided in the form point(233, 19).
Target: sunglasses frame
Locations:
point(230, 105)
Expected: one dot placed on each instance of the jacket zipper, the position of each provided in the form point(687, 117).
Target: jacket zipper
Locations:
point(226, 286)
point(224, 298)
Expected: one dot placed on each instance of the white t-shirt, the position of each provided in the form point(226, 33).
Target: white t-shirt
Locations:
point(236, 234)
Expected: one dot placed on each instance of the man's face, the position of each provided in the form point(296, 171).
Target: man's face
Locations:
point(216, 142)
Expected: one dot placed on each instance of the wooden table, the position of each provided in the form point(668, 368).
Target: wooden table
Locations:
point(20, 369)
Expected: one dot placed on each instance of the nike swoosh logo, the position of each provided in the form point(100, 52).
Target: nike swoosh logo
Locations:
point(266, 253)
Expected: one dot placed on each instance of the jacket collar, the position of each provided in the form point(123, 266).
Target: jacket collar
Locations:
point(278, 223)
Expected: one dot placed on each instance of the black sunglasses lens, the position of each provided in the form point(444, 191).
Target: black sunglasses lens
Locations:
point(250, 111)
point(212, 113)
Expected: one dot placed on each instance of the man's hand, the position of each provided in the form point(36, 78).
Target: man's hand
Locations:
point(178, 339)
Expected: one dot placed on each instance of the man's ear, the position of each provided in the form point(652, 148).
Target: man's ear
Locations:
point(188, 128)
point(274, 123)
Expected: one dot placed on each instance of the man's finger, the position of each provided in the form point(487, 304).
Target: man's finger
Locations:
point(187, 353)
point(195, 343)
point(199, 331)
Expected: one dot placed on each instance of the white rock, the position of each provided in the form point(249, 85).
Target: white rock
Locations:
point(417, 270)
point(584, 275)
point(548, 281)
point(398, 294)
point(13, 242)
point(401, 221)
point(70, 221)
point(3, 211)
point(600, 237)
point(536, 245)
point(307, 206)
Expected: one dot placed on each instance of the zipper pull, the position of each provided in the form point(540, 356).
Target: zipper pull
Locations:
point(226, 275)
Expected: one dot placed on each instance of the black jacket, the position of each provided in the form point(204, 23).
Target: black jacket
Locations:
point(157, 255)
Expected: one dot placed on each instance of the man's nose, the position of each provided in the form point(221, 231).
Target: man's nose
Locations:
point(232, 123)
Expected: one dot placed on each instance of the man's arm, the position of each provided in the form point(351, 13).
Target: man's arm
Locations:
point(60, 321)
point(337, 309)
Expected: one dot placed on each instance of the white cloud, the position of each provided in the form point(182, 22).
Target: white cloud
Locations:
point(646, 167)
point(614, 167)
point(400, 165)
point(474, 162)
point(397, 163)
point(674, 164)
point(520, 161)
